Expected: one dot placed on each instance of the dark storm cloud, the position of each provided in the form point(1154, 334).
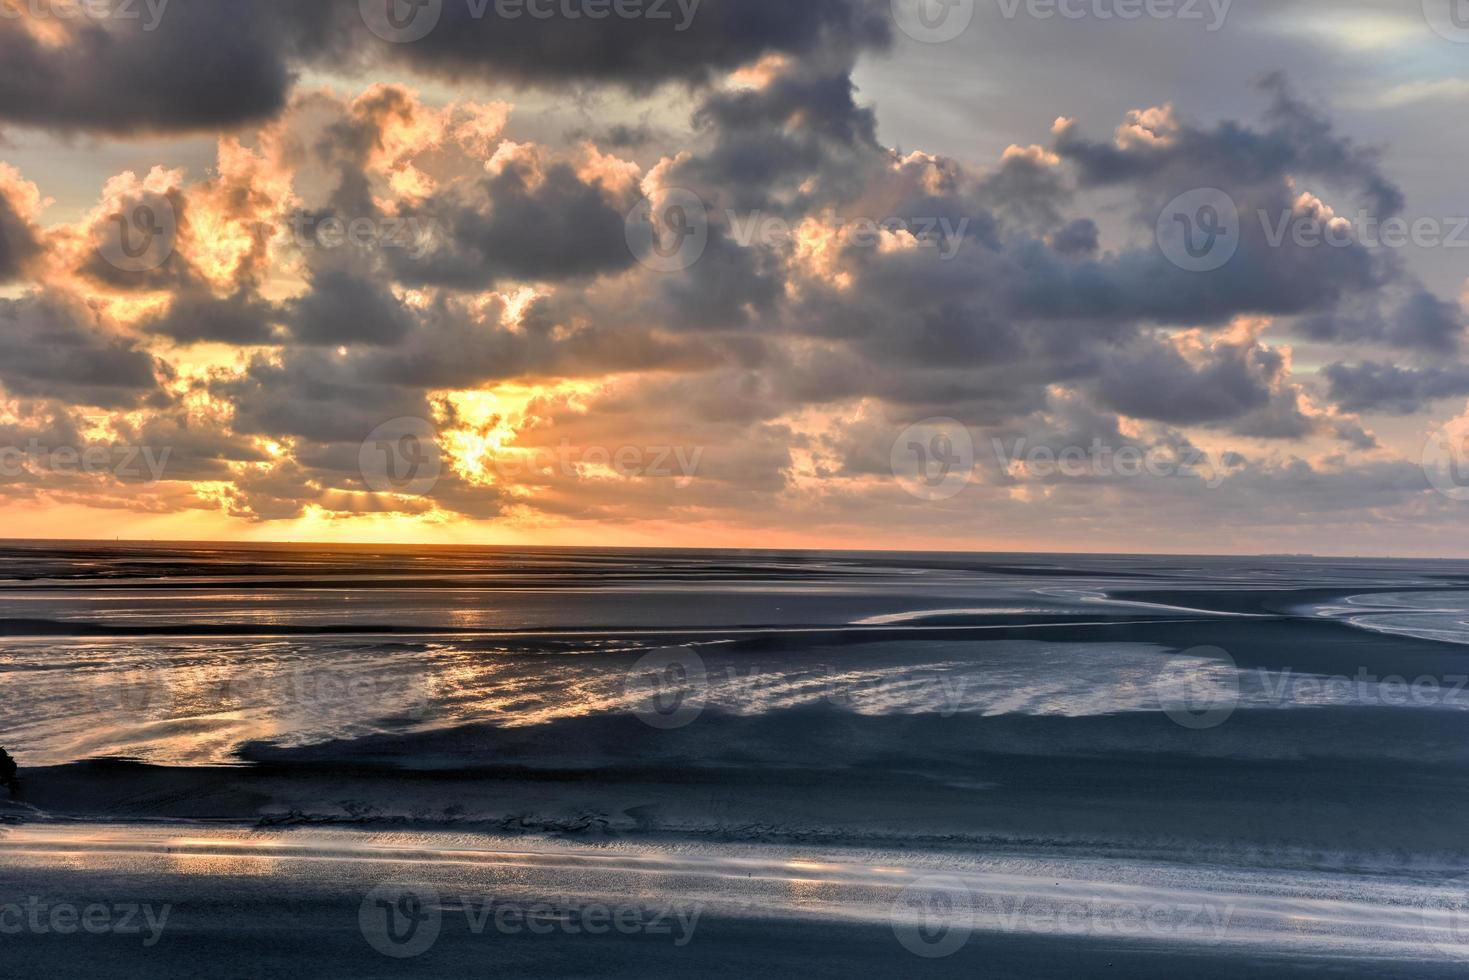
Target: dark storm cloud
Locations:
point(1420, 320)
point(197, 449)
point(1376, 387)
point(56, 347)
point(204, 64)
point(533, 218)
point(1263, 169)
point(1079, 237)
point(310, 394)
point(1154, 381)
point(164, 268)
point(199, 64)
point(19, 240)
point(691, 44)
point(1259, 279)
point(729, 287)
point(804, 125)
point(619, 136)
point(451, 349)
point(200, 317)
point(1029, 299)
point(513, 226)
point(341, 308)
point(326, 396)
point(1296, 139)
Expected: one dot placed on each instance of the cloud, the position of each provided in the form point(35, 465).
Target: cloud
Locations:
point(1372, 386)
point(200, 65)
point(20, 239)
point(340, 308)
point(198, 317)
point(210, 64)
point(534, 219)
point(388, 255)
point(1296, 140)
point(1190, 379)
point(695, 42)
point(1451, 90)
point(1418, 320)
point(55, 346)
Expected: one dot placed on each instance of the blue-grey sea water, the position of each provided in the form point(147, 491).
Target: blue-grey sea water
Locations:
point(1266, 758)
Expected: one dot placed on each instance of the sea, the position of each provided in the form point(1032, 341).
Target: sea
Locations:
point(805, 763)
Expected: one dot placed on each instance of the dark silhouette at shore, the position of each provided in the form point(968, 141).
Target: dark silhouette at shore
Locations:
point(9, 771)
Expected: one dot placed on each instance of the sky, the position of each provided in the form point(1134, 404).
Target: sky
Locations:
point(1043, 275)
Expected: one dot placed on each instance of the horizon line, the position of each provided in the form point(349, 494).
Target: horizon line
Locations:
point(426, 546)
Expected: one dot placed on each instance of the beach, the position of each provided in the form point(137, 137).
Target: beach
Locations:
point(603, 763)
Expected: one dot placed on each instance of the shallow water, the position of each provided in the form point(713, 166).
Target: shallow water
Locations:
point(297, 648)
point(790, 738)
point(1383, 918)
